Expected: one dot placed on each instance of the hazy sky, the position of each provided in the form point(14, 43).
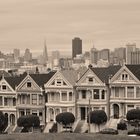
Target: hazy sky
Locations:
point(104, 23)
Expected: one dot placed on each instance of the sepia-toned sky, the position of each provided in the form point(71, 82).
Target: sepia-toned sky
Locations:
point(104, 23)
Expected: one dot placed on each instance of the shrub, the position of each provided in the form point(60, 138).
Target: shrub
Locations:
point(2, 121)
point(122, 126)
point(28, 121)
point(65, 118)
point(97, 117)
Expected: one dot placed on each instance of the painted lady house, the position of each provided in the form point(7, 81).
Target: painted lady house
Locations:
point(8, 98)
point(125, 91)
point(30, 95)
point(93, 92)
point(61, 95)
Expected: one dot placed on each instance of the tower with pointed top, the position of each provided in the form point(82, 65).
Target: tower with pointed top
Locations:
point(45, 54)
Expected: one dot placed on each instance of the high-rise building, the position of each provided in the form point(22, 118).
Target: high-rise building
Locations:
point(45, 54)
point(94, 55)
point(27, 55)
point(104, 54)
point(135, 57)
point(55, 58)
point(130, 47)
point(16, 54)
point(76, 47)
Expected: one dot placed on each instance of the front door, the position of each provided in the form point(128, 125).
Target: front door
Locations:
point(116, 111)
point(83, 113)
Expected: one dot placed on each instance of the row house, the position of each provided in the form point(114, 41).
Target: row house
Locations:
point(124, 91)
point(60, 93)
point(31, 95)
point(93, 90)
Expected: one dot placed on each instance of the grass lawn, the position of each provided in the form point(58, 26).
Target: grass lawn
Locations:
point(64, 136)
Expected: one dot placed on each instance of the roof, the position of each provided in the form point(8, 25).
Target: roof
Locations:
point(3, 72)
point(135, 69)
point(70, 75)
point(106, 72)
point(14, 80)
point(41, 79)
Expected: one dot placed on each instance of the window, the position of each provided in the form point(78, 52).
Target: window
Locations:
point(28, 99)
point(116, 92)
point(64, 96)
point(64, 109)
point(83, 92)
point(3, 87)
point(129, 107)
point(103, 108)
point(90, 79)
point(137, 92)
point(28, 112)
point(0, 100)
point(130, 92)
point(40, 115)
point(23, 99)
point(34, 112)
point(96, 94)
point(103, 94)
point(58, 82)
point(40, 99)
point(125, 77)
point(34, 99)
point(5, 101)
point(29, 84)
point(70, 110)
point(70, 96)
point(96, 108)
point(14, 101)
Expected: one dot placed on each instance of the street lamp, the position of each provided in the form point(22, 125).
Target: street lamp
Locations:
point(89, 109)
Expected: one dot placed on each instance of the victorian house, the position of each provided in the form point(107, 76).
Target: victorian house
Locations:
point(125, 91)
point(30, 95)
point(60, 93)
point(8, 98)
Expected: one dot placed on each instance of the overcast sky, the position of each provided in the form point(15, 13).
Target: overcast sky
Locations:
point(104, 23)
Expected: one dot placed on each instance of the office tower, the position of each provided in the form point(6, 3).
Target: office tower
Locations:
point(130, 47)
point(27, 55)
point(45, 54)
point(104, 54)
point(16, 54)
point(76, 47)
point(120, 55)
point(135, 57)
point(94, 55)
point(55, 58)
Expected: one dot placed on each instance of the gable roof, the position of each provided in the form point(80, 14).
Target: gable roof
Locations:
point(41, 79)
point(14, 80)
point(135, 69)
point(105, 72)
point(70, 75)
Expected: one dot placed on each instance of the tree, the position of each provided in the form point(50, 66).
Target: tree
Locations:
point(28, 121)
point(134, 116)
point(65, 118)
point(2, 121)
point(97, 117)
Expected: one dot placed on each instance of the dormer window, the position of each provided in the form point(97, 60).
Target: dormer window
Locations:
point(29, 84)
point(124, 77)
point(58, 82)
point(3, 87)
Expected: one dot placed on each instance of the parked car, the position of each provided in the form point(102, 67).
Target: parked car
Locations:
point(135, 131)
point(109, 131)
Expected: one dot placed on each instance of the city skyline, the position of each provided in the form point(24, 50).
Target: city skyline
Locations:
point(103, 23)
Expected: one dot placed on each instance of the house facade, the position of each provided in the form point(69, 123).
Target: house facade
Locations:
point(60, 93)
point(125, 91)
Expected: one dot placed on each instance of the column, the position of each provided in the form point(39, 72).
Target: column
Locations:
point(135, 92)
point(2, 100)
point(30, 98)
point(37, 99)
point(67, 96)
point(60, 95)
point(125, 91)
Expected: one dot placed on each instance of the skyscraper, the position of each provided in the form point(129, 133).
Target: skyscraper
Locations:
point(45, 54)
point(130, 47)
point(16, 54)
point(94, 53)
point(76, 46)
point(27, 55)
